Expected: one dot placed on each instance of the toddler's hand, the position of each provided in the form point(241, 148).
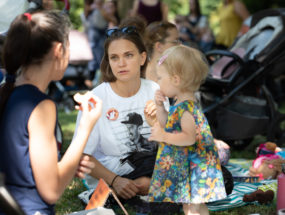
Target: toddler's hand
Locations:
point(91, 107)
point(157, 133)
point(159, 98)
point(150, 112)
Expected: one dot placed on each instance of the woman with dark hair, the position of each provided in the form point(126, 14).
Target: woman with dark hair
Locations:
point(36, 52)
point(118, 143)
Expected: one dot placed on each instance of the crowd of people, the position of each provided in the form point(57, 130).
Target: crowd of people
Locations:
point(141, 129)
point(194, 29)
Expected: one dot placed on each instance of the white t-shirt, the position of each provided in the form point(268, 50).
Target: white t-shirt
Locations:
point(110, 139)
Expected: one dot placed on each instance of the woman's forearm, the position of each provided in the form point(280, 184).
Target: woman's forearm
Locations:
point(99, 171)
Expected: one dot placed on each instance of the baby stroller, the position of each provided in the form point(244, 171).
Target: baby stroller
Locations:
point(240, 95)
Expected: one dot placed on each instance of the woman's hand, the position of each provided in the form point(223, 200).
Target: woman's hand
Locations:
point(157, 133)
point(125, 188)
point(85, 166)
point(150, 112)
point(91, 107)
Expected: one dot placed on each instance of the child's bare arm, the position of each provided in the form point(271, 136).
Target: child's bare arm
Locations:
point(161, 113)
point(184, 138)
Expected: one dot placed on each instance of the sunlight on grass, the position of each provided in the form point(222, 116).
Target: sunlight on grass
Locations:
point(67, 122)
point(69, 202)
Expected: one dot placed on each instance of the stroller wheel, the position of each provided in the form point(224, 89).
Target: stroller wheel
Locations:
point(277, 131)
point(239, 144)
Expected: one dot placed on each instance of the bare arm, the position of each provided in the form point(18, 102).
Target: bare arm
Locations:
point(161, 113)
point(124, 187)
point(50, 175)
point(241, 10)
point(134, 10)
point(164, 11)
point(184, 138)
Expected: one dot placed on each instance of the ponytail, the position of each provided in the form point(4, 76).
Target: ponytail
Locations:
point(29, 39)
point(14, 59)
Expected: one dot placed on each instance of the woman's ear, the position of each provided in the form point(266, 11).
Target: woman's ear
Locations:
point(58, 50)
point(143, 58)
point(158, 47)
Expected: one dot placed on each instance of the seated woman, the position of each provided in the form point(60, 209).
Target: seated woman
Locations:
point(118, 143)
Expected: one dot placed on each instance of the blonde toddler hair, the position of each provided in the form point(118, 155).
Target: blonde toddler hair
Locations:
point(188, 63)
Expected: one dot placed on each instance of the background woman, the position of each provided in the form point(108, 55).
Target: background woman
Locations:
point(151, 10)
point(158, 37)
point(194, 28)
point(231, 16)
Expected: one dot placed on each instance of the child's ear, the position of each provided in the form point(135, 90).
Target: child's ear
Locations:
point(176, 80)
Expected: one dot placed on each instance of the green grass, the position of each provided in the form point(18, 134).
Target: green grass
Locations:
point(69, 201)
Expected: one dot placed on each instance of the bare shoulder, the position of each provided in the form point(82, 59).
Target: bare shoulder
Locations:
point(44, 113)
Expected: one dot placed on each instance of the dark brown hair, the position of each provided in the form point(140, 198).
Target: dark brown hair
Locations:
point(29, 40)
point(197, 8)
point(135, 38)
point(136, 21)
point(156, 32)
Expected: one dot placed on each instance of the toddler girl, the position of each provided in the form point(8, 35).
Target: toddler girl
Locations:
point(187, 168)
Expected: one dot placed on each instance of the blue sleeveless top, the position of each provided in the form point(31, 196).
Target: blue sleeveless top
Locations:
point(14, 149)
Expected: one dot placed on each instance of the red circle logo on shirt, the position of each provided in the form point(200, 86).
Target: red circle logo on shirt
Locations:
point(112, 114)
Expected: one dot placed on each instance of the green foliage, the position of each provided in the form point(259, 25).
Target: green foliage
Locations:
point(67, 122)
point(69, 202)
point(175, 6)
point(207, 7)
point(76, 8)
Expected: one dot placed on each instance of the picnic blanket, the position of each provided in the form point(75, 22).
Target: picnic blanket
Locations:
point(238, 167)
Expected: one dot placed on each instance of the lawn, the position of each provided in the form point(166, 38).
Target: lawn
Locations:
point(69, 202)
